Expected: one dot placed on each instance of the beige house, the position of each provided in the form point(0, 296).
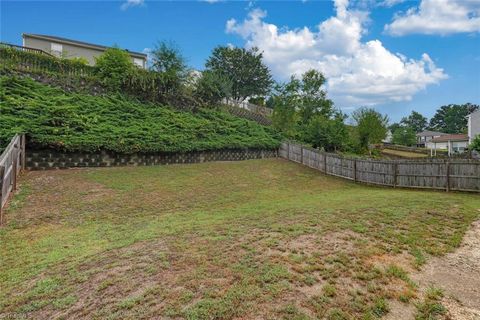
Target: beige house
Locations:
point(62, 47)
point(453, 143)
point(473, 125)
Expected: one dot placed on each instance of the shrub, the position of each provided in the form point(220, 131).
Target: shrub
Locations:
point(113, 67)
point(80, 60)
point(81, 122)
point(212, 87)
point(475, 145)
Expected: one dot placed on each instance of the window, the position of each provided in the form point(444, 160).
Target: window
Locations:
point(138, 62)
point(56, 49)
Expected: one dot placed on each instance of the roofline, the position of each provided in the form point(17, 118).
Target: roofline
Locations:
point(81, 44)
point(466, 138)
point(422, 134)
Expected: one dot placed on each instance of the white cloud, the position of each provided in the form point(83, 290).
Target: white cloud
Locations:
point(358, 73)
point(131, 3)
point(438, 17)
point(391, 3)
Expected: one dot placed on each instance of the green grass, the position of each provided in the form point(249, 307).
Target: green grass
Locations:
point(81, 122)
point(266, 238)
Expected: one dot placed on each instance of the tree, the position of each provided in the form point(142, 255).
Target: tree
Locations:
point(416, 121)
point(113, 66)
point(452, 118)
point(371, 126)
point(245, 69)
point(285, 114)
point(211, 88)
point(171, 68)
point(328, 133)
point(313, 98)
point(394, 126)
point(475, 145)
point(404, 136)
point(167, 58)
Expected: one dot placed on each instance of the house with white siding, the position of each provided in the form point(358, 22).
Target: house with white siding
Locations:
point(453, 143)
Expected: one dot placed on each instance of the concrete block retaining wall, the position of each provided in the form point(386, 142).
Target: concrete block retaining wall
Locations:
point(53, 159)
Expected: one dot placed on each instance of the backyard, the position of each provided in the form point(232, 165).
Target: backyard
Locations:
point(261, 239)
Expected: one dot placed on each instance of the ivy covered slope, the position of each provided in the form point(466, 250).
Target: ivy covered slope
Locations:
point(80, 122)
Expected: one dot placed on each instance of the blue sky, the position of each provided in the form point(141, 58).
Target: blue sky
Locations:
point(394, 55)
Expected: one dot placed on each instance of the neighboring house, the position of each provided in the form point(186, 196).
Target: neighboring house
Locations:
point(454, 143)
point(473, 125)
point(425, 136)
point(62, 47)
point(388, 138)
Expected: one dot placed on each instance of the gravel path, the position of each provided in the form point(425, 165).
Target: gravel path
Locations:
point(458, 274)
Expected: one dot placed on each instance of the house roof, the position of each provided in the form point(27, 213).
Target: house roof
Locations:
point(427, 133)
point(451, 137)
point(79, 43)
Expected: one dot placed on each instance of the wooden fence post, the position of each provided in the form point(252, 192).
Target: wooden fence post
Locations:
point(301, 154)
point(288, 150)
point(394, 174)
point(355, 170)
point(324, 162)
point(14, 167)
point(447, 184)
point(2, 172)
point(23, 144)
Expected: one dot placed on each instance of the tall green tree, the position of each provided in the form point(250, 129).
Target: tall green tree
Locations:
point(244, 68)
point(285, 114)
point(416, 121)
point(371, 126)
point(171, 67)
point(452, 118)
point(404, 136)
point(167, 58)
point(313, 98)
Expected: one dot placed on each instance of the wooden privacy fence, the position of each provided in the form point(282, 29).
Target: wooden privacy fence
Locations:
point(443, 174)
point(12, 161)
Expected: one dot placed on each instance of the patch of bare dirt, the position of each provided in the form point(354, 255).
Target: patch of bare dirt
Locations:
point(458, 274)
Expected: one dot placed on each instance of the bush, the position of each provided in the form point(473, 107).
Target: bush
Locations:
point(475, 145)
point(113, 67)
point(328, 133)
point(81, 122)
point(212, 87)
point(80, 60)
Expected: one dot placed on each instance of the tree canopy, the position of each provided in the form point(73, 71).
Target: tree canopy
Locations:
point(404, 136)
point(167, 58)
point(371, 126)
point(452, 118)
point(245, 69)
point(416, 121)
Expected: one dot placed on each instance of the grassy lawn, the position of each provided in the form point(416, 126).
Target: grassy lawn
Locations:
point(252, 239)
point(404, 154)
